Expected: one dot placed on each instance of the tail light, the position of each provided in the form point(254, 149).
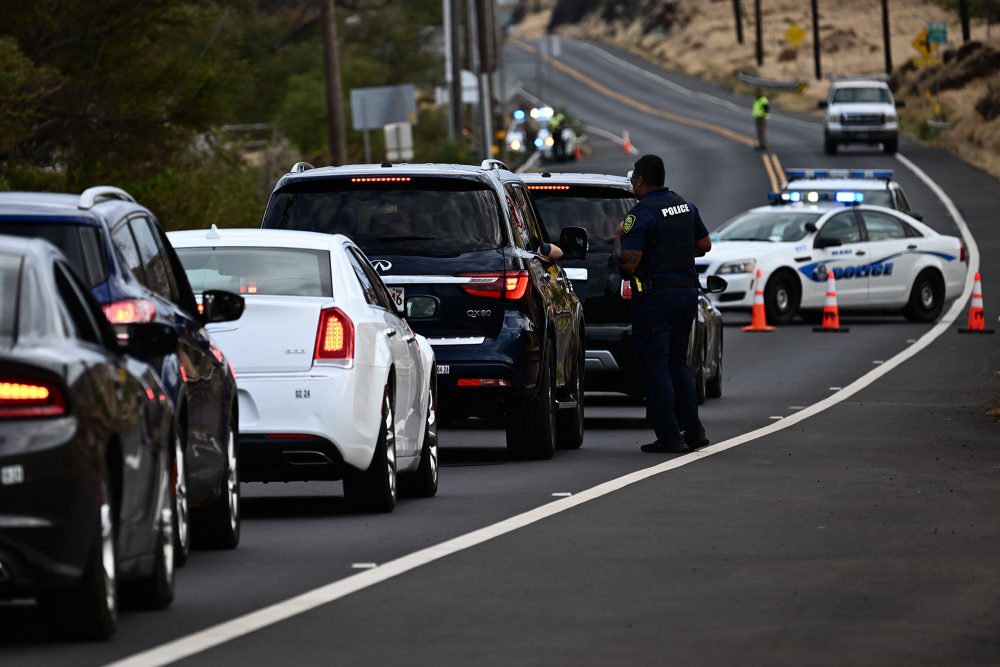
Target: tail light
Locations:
point(510, 285)
point(626, 289)
point(335, 336)
point(25, 399)
point(963, 255)
point(129, 311)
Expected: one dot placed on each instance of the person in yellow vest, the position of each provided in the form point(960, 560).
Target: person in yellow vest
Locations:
point(760, 108)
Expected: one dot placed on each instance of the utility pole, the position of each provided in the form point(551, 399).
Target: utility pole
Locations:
point(455, 91)
point(334, 92)
point(738, 15)
point(886, 41)
point(759, 31)
point(963, 9)
point(816, 50)
point(487, 44)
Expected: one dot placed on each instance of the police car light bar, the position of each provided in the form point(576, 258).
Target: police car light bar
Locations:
point(796, 197)
point(850, 197)
point(872, 174)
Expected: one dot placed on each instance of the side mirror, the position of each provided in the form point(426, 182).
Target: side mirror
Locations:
point(811, 227)
point(900, 103)
point(826, 242)
point(715, 284)
point(822, 104)
point(916, 215)
point(149, 340)
point(573, 242)
point(221, 306)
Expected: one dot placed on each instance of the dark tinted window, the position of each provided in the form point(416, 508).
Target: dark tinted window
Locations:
point(419, 216)
point(882, 227)
point(518, 221)
point(843, 227)
point(10, 280)
point(154, 264)
point(76, 307)
point(598, 210)
point(285, 271)
point(534, 224)
point(371, 296)
point(80, 243)
point(122, 237)
point(382, 297)
point(774, 224)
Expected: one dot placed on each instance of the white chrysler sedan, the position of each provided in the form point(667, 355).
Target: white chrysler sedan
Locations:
point(883, 260)
point(332, 382)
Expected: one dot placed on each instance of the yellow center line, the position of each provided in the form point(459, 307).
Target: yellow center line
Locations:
point(744, 139)
point(770, 172)
point(778, 169)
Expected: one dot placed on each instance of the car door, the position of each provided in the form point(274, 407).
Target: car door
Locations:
point(846, 257)
point(383, 312)
point(894, 258)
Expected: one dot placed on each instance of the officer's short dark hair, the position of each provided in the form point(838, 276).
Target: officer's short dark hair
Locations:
point(650, 168)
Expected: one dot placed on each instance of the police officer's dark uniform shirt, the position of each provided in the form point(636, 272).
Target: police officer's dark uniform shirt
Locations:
point(664, 227)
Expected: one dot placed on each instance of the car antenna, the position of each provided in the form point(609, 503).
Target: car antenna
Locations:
point(213, 233)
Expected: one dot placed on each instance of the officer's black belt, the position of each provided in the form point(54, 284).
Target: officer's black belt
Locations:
point(650, 285)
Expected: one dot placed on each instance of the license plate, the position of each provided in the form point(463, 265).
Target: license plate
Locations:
point(443, 370)
point(398, 296)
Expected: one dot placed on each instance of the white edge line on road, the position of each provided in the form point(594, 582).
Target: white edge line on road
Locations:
point(530, 163)
point(611, 136)
point(678, 88)
point(208, 638)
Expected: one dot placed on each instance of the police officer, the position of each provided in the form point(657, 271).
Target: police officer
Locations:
point(760, 110)
point(657, 243)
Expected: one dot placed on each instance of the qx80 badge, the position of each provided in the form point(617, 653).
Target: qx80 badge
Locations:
point(382, 265)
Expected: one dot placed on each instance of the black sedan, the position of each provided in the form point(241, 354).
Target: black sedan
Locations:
point(123, 257)
point(86, 441)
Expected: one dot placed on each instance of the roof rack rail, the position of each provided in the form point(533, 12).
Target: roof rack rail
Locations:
point(90, 196)
point(299, 167)
point(490, 163)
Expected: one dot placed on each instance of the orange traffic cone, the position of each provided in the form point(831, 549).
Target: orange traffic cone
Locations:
point(626, 143)
point(977, 316)
point(577, 153)
point(758, 320)
point(831, 314)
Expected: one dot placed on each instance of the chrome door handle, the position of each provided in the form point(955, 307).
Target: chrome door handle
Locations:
point(411, 339)
point(389, 333)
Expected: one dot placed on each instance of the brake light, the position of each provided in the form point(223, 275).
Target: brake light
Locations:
point(482, 382)
point(626, 289)
point(335, 336)
point(510, 285)
point(963, 256)
point(27, 399)
point(129, 311)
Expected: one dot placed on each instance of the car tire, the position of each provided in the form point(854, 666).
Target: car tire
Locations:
point(181, 511)
point(424, 482)
point(891, 146)
point(531, 429)
point(156, 590)
point(700, 389)
point(218, 525)
point(781, 298)
point(713, 388)
point(926, 298)
point(89, 609)
point(374, 490)
point(829, 146)
point(569, 421)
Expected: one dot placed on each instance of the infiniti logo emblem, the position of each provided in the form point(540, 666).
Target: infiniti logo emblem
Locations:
point(382, 265)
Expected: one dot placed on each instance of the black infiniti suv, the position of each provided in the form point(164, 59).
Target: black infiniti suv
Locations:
point(458, 248)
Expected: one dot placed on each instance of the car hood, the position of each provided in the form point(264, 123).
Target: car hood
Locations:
point(724, 251)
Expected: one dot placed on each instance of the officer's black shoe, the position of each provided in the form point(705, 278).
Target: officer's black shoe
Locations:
point(696, 439)
point(660, 447)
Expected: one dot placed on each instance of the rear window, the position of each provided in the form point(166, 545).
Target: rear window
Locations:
point(418, 216)
point(80, 243)
point(866, 94)
point(261, 271)
point(10, 275)
point(598, 210)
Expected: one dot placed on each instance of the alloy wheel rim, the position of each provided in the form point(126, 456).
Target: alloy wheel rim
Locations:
point(108, 558)
point(781, 298)
point(390, 446)
point(180, 494)
point(926, 296)
point(232, 482)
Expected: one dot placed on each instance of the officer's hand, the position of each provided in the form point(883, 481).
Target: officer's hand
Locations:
point(620, 230)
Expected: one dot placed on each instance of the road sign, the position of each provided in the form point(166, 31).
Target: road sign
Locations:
point(374, 108)
point(937, 32)
point(795, 34)
point(925, 48)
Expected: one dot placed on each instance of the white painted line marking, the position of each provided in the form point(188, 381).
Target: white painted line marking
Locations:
point(796, 407)
point(561, 494)
point(364, 566)
point(775, 417)
point(611, 136)
point(911, 340)
point(192, 644)
point(878, 362)
point(835, 388)
point(530, 163)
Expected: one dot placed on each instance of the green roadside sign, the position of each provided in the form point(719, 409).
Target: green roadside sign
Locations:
point(937, 32)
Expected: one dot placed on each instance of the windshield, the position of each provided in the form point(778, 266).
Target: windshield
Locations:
point(426, 216)
point(10, 273)
point(779, 225)
point(598, 210)
point(261, 271)
point(80, 243)
point(866, 94)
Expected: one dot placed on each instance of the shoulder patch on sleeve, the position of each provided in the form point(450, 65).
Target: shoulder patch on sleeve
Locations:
point(629, 222)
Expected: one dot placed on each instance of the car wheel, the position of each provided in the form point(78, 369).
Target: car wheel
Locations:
point(829, 146)
point(781, 298)
point(424, 482)
point(179, 502)
point(374, 490)
point(891, 146)
point(926, 298)
point(531, 429)
point(218, 525)
point(713, 388)
point(156, 591)
point(89, 609)
point(569, 421)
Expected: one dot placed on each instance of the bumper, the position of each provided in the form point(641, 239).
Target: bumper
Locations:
point(738, 294)
point(336, 406)
point(610, 359)
point(862, 134)
point(48, 505)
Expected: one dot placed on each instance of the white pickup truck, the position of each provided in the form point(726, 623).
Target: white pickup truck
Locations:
point(861, 112)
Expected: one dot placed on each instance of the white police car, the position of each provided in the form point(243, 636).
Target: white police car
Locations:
point(878, 187)
point(882, 259)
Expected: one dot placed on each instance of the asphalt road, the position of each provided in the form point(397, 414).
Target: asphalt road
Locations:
point(864, 534)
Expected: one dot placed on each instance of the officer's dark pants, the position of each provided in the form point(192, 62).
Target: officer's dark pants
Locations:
point(661, 324)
